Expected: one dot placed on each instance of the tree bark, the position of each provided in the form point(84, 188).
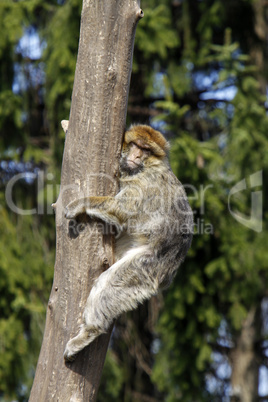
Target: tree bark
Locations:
point(246, 360)
point(90, 166)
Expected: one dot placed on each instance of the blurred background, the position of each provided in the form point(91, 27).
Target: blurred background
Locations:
point(200, 76)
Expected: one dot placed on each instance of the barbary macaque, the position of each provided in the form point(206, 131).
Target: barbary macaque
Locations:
point(154, 222)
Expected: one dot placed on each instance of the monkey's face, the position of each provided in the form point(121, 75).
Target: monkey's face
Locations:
point(134, 155)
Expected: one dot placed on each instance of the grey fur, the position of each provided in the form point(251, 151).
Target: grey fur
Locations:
point(154, 218)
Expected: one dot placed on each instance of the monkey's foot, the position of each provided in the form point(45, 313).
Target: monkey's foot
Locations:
point(69, 358)
point(65, 125)
point(79, 342)
point(69, 354)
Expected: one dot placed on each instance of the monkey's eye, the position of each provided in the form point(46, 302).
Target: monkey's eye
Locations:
point(146, 151)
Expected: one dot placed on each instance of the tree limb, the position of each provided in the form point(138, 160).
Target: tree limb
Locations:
point(90, 165)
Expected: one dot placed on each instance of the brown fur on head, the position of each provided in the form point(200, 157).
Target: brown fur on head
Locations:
point(145, 136)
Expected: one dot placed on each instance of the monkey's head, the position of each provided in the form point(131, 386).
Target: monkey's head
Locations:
point(142, 147)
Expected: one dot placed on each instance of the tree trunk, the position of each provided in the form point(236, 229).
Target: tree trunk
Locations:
point(246, 360)
point(90, 166)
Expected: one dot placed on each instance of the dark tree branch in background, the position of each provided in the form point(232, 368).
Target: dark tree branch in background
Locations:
point(142, 111)
point(90, 164)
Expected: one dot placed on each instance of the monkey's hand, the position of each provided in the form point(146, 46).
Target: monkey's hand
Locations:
point(104, 208)
point(80, 206)
point(75, 208)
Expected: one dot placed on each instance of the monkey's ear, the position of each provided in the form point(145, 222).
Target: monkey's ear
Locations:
point(65, 125)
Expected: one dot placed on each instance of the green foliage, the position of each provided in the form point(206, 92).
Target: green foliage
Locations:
point(26, 273)
point(62, 35)
point(12, 15)
point(155, 36)
point(61, 51)
point(26, 251)
point(226, 280)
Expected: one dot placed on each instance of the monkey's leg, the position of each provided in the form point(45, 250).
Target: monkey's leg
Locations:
point(128, 282)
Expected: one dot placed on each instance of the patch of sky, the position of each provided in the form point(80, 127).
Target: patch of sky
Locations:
point(29, 47)
point(222, 141)
point(189, 65)
point(223, 368)
point(266, 101)
point(263, 373)
point(9, 168)
point(225, 339)
point(225, 94)
point(156, 345)
point(204, 81)
point(264, 307)
point(30, 44)
point(158, 85)
point(159, 125)
point(27, 75)
point(263, 382)
point(218, 384)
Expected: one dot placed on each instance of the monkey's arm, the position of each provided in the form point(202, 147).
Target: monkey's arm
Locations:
point(108, 209)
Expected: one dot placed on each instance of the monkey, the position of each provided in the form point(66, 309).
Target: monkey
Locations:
point(154, 222)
